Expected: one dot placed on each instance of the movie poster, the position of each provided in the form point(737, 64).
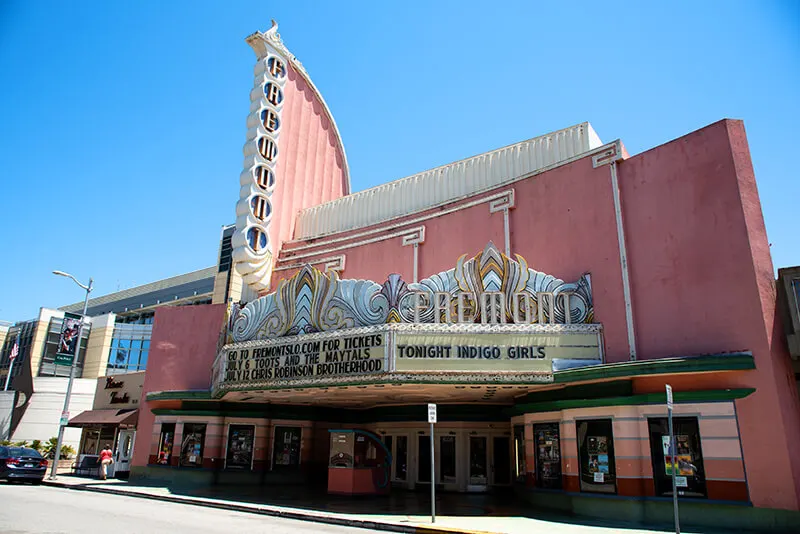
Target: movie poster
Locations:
point(683, 456)
point(240, 447)
point(598, 458)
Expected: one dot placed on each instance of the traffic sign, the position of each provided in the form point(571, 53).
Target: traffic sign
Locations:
point(431, 413)
point(669, 397)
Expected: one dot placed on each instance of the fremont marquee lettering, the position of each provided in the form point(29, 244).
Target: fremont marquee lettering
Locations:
point(308, 359)
point(491, 307)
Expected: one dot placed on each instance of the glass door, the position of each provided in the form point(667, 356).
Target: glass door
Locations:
point(122, 462)
point(501, 460)
point(398, 445)
point(478, 462)
point(424, 459)
point(447, 459)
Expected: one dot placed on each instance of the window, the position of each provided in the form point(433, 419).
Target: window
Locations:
point(596, 456)
point(239, 453)
point(690, 478)
point(796, 292)
point(165, 443)
point(91, 442)
point(286, 451)
point(130, 345)
point(194, 436)
point(547, 444)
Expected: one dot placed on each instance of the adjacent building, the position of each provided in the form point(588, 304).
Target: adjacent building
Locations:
point(115, 341)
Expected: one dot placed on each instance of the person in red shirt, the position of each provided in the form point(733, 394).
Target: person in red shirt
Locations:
point(105, 460)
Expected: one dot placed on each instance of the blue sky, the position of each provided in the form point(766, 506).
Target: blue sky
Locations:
point(123, 123)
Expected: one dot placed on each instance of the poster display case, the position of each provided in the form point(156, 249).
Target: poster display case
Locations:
point(596, 455)
point(690, 478)
point(239, 452)
point(547, 443)
point(192, 445)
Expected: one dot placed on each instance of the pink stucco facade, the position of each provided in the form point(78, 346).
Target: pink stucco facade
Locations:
point(701, 275)
point(182, 350)
point(701, 283)
point(311, 166)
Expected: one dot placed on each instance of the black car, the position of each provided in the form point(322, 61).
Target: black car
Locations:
point(21, 463)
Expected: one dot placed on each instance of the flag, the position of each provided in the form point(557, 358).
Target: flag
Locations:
point(14, 353)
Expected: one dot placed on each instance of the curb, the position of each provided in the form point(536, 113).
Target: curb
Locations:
point(273, 511)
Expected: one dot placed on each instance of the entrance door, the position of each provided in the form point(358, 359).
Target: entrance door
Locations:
point(501, 460)
point(446, 460)
point(478, 463)
point(124, 453)
point(424, 459)
point(398, 445)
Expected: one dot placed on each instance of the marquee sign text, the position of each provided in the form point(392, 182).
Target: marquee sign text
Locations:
point(332, 357)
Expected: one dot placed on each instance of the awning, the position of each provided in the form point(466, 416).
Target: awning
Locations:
point(105, 417)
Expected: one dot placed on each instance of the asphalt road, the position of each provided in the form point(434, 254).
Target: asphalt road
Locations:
point(42, 509)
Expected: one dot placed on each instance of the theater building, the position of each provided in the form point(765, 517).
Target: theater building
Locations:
point(541, 294)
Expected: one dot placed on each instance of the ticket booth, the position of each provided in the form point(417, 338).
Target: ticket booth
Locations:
point(360, 463)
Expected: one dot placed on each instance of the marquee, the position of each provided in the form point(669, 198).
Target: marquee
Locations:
point(489, 318)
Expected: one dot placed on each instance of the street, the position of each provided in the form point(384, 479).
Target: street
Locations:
point(42, 509)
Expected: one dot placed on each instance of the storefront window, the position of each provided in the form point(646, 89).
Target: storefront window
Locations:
point(596, 455)
point(547, 440)
point(286, 450)
point(165, 443)
point(194, 436)
point(519, 453)
point(240, 447)
point(690, 480)
point(91, 442)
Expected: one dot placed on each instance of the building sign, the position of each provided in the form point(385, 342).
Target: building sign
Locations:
point(490, 318)
point(302, 358)
point(517, 353)
point(520, 352)
point(118, 391)
point(489, 288)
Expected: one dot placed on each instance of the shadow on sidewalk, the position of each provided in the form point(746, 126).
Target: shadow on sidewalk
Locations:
point(395, 507)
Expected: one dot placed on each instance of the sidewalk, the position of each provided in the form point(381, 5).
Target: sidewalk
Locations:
point(402, 512)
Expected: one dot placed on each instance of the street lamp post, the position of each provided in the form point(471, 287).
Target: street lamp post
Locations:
point(61, 423)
